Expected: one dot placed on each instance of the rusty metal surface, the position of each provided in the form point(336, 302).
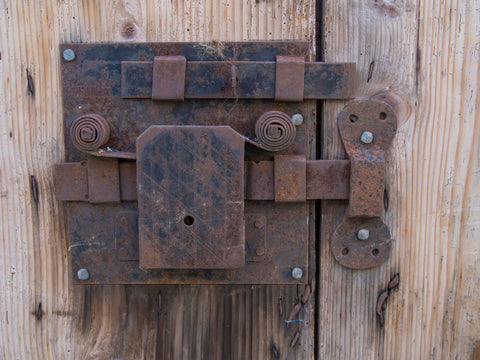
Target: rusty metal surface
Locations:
point(190, 197)
point(128, 180)
point(328, 179)
point(289, 78)
point(70, 181)
point(259, 180)
point(94, 247)
point(255, 237)
point(361, 254)
point(126, 236)
point(244, 80)
point(367, 184)
point(290, 178)
point(325, 179)
point(168, 79)
point(92, 83)
point(103, 181)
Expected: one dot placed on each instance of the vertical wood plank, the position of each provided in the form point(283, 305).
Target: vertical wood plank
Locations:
point(116, 322)
point(426, 52)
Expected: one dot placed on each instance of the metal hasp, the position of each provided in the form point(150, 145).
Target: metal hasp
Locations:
point(367, 129)
point(193, 163)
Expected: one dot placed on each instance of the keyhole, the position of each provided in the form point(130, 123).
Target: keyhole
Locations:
point(188, 220)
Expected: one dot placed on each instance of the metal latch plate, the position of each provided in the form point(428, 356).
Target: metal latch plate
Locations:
point(104, 236)
point(190, 197)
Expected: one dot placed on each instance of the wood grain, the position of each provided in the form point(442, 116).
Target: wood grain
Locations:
point(427, 53)
point(117, 322)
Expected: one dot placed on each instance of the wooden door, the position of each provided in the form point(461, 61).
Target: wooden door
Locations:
point(425, 52)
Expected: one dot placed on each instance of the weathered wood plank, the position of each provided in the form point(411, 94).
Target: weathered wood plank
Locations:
point(116, 322)
point(426, 52)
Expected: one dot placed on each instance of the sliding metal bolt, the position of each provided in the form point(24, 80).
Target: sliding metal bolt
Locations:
point(68, 54)
point(297, 273)
point(363, 234)
point(83, 274)
point(366, 137)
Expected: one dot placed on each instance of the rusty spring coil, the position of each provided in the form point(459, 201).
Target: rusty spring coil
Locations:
point(89, 132)
point(275, 131)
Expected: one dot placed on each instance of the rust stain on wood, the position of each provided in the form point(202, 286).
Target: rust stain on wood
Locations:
point(295, 339)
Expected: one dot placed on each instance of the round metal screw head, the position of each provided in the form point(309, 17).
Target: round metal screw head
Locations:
point(366, 137)
point(363, 234)
point(83, 274)
point(259, 223)
point(68, 54)
point(297, 119)
point(297, 273)
point(260, 251)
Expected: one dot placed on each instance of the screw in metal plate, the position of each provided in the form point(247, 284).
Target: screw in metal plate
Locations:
point(297, 273)
point(366, 137)
point(297, 119)
point(260, 251)
point(363, 234)
point(83, 274)
point(68, 54)
point(259, 223)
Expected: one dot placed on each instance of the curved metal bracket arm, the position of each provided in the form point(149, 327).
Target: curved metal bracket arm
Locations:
point(367, 128)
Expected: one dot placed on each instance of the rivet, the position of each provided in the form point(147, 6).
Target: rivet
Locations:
point(297, 119)
point(363, 234)
point(260, 251)
point(297, 273)
point(68, 55)
point(366, 137)
point(83, 274)
point(259, 223)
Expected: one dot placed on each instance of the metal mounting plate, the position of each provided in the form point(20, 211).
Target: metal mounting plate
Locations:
point(104, 237)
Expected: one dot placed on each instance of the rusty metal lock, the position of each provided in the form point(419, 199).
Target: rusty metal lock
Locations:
point(184, 166)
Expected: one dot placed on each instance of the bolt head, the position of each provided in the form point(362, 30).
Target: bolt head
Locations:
point(366, 137)
point(259, 223)
point(83, 274)
point(260, 251)
point(363, 234)
point(297, 119)
point(68, 55)
point(297, 273)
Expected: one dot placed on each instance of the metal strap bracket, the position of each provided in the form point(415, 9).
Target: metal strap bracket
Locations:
point(362, 240)
point(168, 81)
point(289, 78)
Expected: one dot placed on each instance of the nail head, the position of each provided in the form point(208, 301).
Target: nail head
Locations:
point(297, 119)
point(297, 273)
point(68, 55)
point(83, 274)
point(363, 234)
point(366, 137)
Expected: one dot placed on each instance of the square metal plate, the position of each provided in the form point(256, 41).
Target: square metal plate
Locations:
point(104, 237)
